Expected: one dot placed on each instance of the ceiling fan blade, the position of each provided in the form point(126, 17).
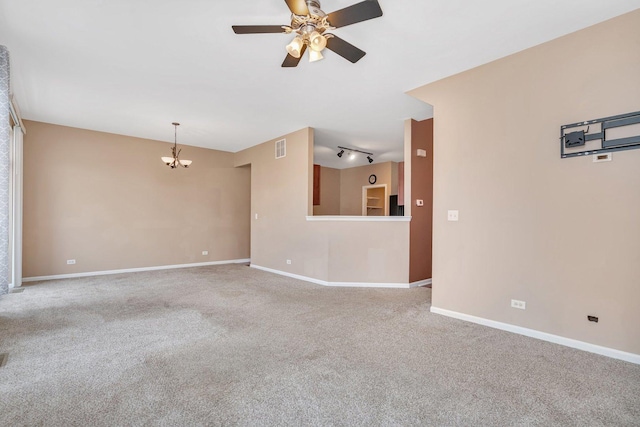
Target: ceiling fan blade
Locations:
point(292, 61)
point(358, 12)
point(345, 49)
point(257, 29)
point(298, 7)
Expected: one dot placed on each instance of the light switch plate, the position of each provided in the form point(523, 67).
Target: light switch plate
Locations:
point(419, 202)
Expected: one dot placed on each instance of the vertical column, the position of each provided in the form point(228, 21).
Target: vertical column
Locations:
point(16, 251)
point(5, 134)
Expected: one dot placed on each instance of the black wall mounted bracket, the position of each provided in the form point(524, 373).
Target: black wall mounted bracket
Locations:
point(609, 134)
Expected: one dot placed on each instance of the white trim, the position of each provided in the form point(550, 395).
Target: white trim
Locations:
point(420, 283)
point(17, 192)
point(365, 202)
point(15, 113)
point(334, 284)
point(556, 339)
point(293, 276)
point(368, 285)
point(359, 218)
point(134, 270)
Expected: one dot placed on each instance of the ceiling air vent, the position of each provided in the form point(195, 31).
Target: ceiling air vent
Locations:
point(281, 148)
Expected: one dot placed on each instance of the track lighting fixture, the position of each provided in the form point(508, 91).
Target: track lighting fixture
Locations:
point(352, 153)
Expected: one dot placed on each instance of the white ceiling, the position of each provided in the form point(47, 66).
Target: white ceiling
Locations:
point(132, 67)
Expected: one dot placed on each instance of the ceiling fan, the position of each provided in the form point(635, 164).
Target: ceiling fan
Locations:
point(310, 25)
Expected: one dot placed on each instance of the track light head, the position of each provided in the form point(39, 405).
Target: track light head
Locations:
point(370, 159)
point(340, 153)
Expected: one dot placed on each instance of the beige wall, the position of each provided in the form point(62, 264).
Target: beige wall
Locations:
point(325, 250)
point(329, 192)
point(353, 179)
point(281, 192)
point(370, 252)
point(561, 234)
point(108, 202)
point(421, 188)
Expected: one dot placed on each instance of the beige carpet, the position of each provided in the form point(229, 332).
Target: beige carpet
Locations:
point(231, 345)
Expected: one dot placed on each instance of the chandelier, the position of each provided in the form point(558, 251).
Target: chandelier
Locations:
point(174, 161)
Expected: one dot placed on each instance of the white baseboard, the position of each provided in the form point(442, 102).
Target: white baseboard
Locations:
point(133, 270)
point(420, 283)
point(556, 339)
point(336, 284)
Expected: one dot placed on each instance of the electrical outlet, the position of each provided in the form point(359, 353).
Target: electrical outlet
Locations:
point(288, 261)
point(597, 158)
point(205, 252)
point(452, 215)
point(518, 304)
point(71, 261)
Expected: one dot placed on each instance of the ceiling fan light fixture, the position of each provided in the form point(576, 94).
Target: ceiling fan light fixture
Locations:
point(310, 26)
point(295, 47)
point(314, 56)
point(317, 41)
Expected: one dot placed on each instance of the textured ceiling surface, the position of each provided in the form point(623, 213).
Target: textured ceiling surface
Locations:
point(132, 67)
